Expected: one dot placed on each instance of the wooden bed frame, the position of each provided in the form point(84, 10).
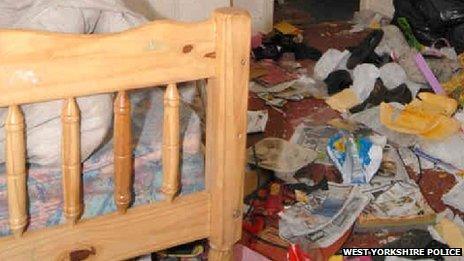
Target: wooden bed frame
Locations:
point(41, 66)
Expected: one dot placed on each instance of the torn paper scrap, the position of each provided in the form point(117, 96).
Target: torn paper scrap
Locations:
point(271, 100)
point(455, 197)
point(257, 121)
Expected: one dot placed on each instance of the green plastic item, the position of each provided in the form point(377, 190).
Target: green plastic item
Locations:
point(407, 31)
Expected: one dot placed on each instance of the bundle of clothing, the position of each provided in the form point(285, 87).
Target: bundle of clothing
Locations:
point(43, 123)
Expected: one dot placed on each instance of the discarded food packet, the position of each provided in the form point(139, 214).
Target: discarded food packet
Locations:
point(257, 121)
point(356, 155)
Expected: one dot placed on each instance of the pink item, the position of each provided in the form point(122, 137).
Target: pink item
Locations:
point(243, 253)
point(428, 74)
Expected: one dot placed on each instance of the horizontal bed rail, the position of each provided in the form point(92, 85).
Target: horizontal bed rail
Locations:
point(112, 237)
point(46, 66)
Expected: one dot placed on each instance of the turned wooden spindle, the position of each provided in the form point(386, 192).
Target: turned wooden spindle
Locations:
point(122, 152)
point(15, 152)
point(171, 176)
point(71, 160)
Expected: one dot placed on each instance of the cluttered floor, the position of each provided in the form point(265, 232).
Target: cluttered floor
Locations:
point(355, 133)
point(355, 136)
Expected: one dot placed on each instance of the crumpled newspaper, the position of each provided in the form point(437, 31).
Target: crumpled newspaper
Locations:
point(325, 218)
point(400, 200)
point(279, 155)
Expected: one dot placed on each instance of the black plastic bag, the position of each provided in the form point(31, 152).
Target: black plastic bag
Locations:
point(456, 38)
point(432, 19)
point(417, 17)
point(442, 13)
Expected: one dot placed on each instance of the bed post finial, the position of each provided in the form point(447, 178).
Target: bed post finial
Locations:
point(226, 129)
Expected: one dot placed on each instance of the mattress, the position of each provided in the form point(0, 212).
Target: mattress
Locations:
point(44, 184)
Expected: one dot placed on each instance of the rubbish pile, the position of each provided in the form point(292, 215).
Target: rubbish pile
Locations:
point(400, 97)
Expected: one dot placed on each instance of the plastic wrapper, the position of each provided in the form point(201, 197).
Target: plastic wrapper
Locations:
point(356, 155)
point(329, 62)
point(392, 75)
point(371, 119)
point(364, 77)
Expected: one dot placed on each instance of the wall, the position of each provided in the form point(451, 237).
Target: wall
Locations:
point(262, 12)
point(195, 10)
point(182, 10)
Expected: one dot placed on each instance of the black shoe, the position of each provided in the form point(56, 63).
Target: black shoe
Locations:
point(291, 44)
point(378, 60)
point(267, 51)
point(365, 49)
point(400, 94)
point(337, 81)
point(303, 51)
point(376, 97)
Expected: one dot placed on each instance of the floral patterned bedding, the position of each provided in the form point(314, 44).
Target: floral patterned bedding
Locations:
point(44, 184)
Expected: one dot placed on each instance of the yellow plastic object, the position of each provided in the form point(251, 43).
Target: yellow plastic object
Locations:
point(437, 103)
point(287, 28)
point(451, 233)
point(429, 117)
point(446, 128)
point(343, 100)
point(407, 121)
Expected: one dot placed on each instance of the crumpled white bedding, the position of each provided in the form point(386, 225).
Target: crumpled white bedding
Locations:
point(43, 124)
